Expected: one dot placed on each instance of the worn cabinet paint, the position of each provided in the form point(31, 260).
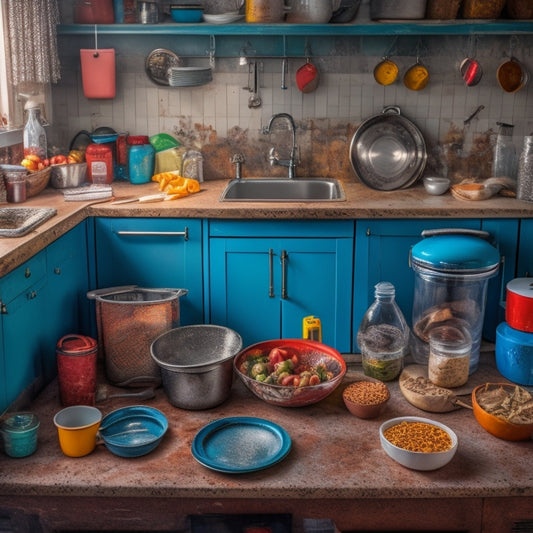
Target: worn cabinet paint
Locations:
point(265, 277)
point(153, 253)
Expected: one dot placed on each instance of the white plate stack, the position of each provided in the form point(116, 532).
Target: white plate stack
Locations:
point(189, 76)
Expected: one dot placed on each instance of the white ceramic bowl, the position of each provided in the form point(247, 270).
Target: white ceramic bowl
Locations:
point(436, 185)
point(417, 460)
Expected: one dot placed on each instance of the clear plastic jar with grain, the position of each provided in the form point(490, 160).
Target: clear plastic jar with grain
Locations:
point(449, 356)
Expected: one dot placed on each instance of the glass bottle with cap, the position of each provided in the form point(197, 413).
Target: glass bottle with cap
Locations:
point(383, 335)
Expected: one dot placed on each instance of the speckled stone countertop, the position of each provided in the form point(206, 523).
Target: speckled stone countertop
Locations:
point(361, 202)
point(333, 455)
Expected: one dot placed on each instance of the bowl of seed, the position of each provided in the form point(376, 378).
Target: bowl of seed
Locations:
point(418, 443)
point(366, 398)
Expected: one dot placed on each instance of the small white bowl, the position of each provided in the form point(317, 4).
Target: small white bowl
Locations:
point(417, 460)
point(436, 185)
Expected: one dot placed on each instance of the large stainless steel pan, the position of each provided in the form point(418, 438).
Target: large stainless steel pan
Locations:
point(388, 151)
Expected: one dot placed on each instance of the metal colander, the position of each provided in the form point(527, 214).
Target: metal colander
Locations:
point(129, 319)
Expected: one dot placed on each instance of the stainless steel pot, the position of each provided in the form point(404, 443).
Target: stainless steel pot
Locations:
point(388, 151)
point(196, 364)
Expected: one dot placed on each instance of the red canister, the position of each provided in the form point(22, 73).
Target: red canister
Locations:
point(519, 304)
point(99, 159)
point(76, 367)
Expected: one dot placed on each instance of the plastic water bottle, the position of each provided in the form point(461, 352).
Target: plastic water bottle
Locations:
point(383, 335)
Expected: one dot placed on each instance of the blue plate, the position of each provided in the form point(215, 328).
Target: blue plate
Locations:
point(237, 445)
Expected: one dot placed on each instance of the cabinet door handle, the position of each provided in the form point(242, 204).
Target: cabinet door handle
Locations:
point(284, 259)
point(271, 273)
point(184, 234)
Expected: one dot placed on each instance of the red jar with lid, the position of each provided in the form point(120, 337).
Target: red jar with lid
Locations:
point(94, 12)
point(99, 159)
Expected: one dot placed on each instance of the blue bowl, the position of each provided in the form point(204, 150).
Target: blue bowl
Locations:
point(133, 431)
point(186, 14)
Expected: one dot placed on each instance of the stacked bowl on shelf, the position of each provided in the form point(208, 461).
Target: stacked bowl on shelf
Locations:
point(514, 337)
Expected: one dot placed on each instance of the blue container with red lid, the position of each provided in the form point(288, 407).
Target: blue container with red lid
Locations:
point(141, 159)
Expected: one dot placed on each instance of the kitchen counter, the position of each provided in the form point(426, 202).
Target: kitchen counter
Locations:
point(335, 469)
point(361, 202)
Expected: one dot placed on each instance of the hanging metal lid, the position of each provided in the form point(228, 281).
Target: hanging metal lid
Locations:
point(455, 251)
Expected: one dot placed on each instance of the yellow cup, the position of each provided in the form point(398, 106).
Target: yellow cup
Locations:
point(77, 427)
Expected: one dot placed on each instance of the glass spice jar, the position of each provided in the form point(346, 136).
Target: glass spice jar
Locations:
point(449, 356)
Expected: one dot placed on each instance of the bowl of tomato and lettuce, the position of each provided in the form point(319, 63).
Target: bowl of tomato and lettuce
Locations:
point(290, 372)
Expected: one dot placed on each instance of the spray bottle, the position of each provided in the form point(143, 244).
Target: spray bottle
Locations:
point(34, 137)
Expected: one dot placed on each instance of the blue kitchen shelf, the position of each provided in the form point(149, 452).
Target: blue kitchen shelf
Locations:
point(370, 28)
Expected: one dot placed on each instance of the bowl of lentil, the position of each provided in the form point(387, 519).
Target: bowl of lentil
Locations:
point(366, 398)
point(418, 443)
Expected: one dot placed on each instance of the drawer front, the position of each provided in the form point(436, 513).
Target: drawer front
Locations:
point(23, 277)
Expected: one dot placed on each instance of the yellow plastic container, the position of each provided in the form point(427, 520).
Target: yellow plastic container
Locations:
point(77, 427)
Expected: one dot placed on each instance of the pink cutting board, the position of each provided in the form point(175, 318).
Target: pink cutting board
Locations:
point(98, 73)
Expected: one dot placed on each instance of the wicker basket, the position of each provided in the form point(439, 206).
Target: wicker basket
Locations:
point(443, 9)
point(482, 9)
point(36, 181)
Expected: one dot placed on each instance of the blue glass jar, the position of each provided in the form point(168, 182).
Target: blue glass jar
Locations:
point(141, 159)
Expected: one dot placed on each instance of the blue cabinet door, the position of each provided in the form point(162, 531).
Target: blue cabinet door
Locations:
point(153, 253)
point(68, 306)
point(24, 322)
point(525, 249)
point(382, 254)
point(264, 287)
point(382, 250)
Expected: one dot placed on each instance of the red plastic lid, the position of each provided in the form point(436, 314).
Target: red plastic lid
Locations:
point(76, 344)
point(138, 139)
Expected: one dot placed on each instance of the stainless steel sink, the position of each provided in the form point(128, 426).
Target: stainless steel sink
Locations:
point(283, 190)
point(17, 221)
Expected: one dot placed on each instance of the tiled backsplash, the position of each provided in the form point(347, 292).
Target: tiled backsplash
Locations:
point(216, 117)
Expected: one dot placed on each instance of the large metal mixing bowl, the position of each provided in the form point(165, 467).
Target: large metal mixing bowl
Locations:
point(196, 364)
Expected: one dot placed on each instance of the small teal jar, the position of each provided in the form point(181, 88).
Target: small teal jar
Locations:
point(141, 159)
point(20, 434)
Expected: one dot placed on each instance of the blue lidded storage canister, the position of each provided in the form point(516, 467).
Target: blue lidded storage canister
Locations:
point(452, 268)
point(514, 354)
point(19, 432)
point(141, 159)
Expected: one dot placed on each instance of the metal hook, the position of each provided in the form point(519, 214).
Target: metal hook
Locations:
point(96, 54)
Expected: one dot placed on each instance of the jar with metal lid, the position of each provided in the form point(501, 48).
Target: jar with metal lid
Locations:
point(449, 356)
point(141, 159)
point(452, 269)
point(19, 433)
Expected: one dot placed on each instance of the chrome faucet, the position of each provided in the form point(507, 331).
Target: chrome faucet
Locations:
point(273, 156)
